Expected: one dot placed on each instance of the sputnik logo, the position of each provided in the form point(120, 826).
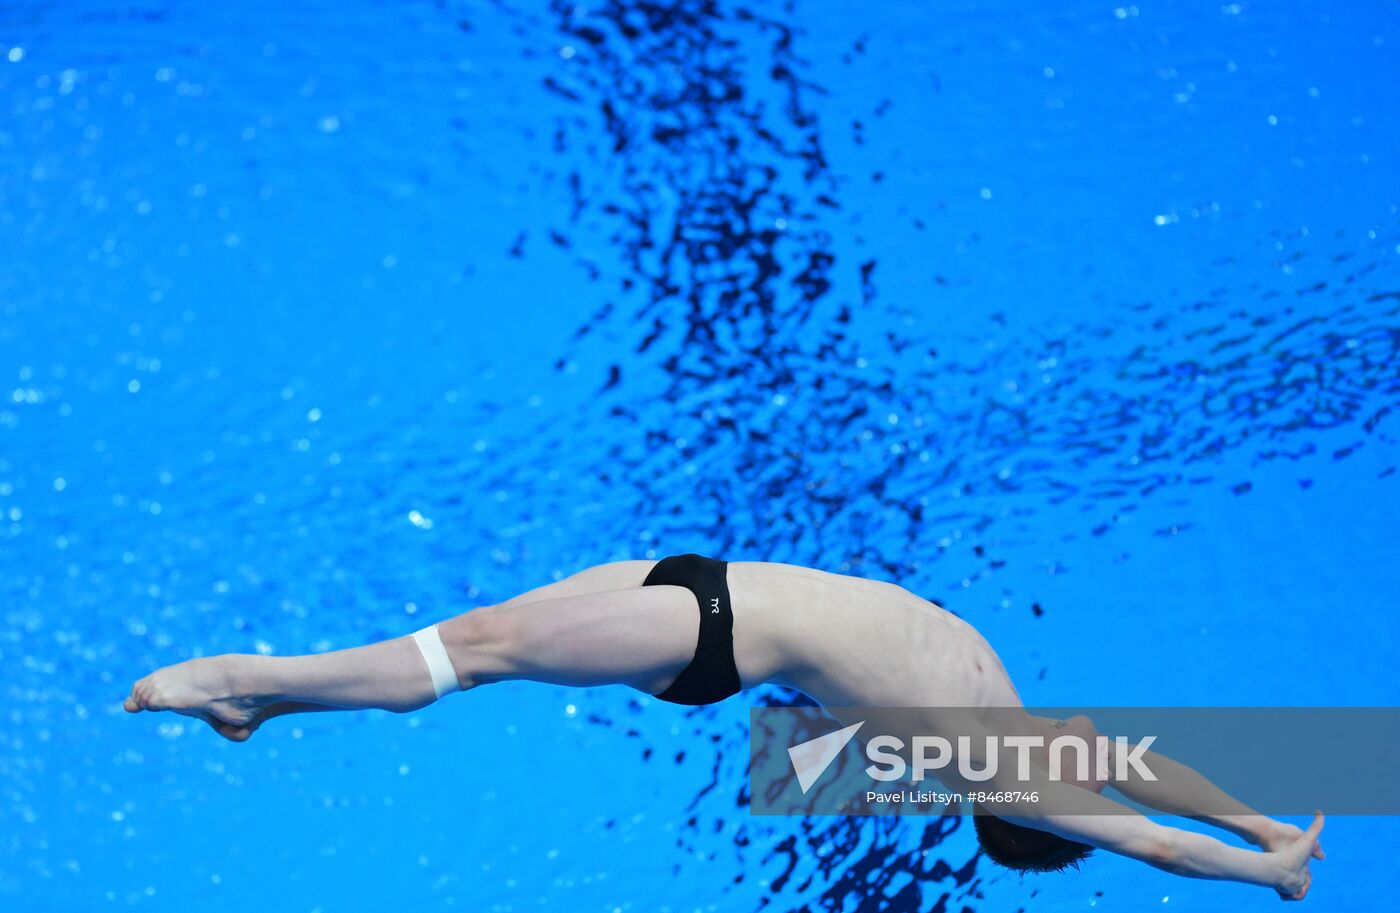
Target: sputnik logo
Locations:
point(810, 759)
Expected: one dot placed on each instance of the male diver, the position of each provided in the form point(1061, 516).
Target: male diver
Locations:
point(843, 641)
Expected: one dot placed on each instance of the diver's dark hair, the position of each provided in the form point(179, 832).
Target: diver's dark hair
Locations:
point(1025, 849)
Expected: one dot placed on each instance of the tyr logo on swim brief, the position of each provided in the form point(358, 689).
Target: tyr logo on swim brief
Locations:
point(714, 605)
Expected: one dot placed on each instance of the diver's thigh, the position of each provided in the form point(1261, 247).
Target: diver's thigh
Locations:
point(638, 636)
point(614, 575)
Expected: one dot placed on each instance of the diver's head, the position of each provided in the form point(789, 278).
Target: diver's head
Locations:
point(1025, 849)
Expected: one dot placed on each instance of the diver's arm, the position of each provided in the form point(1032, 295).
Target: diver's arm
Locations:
point(1181, 790)
point(1111, 826)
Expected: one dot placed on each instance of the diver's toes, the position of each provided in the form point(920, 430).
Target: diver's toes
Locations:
point(130, 705)
point(231, 732)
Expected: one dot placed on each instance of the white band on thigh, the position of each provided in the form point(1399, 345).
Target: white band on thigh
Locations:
point(435, 655)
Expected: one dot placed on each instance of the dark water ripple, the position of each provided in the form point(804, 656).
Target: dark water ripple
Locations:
point(765, 415)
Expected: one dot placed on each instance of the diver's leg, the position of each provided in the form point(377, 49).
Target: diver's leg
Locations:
point(215, 689)
point(640, 636)
point(233, 692)
point(614, 575)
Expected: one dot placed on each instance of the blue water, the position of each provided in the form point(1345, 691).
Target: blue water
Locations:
point(320, 320)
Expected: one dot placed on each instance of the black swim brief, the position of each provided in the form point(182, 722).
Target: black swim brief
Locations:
point(711, 675)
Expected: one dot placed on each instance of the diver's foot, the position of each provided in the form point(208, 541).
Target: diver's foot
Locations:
point(209, 688)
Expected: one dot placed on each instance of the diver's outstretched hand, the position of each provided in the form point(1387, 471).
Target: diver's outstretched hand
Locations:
point(1293, 857)
point(1279, 835)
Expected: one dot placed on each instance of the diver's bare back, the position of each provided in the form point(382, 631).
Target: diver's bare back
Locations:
point(849, 641)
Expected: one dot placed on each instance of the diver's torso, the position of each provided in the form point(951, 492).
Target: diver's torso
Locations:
point(849, 641)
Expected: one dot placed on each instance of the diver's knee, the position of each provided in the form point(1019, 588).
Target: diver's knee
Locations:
point(482, 644)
